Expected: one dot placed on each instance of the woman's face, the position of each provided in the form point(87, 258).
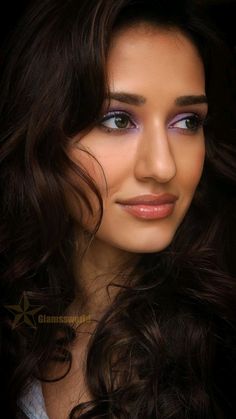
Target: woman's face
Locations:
point(151, 141)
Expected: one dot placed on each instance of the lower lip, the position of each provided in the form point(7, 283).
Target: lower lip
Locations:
point(149, 212)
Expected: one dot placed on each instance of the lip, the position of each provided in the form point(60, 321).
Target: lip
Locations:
point(150, 199)
point(150, 206)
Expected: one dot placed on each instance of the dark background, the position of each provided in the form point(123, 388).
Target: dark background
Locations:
point(222, 14)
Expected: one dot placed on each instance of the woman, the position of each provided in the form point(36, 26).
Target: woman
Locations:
point(117, 199)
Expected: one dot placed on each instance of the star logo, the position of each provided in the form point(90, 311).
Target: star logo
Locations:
point(23, 313)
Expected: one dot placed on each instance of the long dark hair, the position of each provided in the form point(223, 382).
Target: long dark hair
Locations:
point(165, 348)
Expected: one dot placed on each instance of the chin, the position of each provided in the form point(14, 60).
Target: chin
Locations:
point(148, 249)
point(151, 246)
point(146, 240)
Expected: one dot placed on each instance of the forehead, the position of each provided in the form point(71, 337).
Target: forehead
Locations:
point(160, 58)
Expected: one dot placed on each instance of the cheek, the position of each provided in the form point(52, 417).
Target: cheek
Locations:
point(103, 164)
point(115, 170)
point(191, 167)
point(89, 173)
point(107, 172)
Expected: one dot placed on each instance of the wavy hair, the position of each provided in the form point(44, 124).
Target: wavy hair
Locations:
point(165, 348)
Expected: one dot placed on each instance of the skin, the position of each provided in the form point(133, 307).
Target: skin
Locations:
point(156, 154)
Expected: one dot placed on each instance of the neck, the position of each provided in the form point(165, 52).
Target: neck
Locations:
point(101, 265)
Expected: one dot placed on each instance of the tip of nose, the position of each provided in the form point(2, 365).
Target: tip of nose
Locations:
point(159, 172)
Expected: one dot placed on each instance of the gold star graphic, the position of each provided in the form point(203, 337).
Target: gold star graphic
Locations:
point(22, 313)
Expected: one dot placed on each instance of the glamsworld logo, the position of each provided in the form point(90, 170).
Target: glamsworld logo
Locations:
point(25, 313)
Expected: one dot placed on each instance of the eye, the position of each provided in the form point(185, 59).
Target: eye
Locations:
point(188, 123)
point(117, 121)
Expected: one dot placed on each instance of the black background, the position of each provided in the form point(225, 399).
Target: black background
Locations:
point(222, 14)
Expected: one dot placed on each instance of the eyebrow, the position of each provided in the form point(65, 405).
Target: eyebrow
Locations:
point(190, 100)
point(129, 98)
point(137, 100)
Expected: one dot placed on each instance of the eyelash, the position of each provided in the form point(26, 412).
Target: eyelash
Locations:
point(114, 114)
point(197, 118)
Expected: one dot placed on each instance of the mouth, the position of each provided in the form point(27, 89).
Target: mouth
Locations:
point(150, 206)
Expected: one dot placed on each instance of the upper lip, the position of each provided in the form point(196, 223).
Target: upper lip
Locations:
point(150, 199)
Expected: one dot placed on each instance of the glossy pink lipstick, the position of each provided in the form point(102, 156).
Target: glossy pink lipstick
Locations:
point(149, 206)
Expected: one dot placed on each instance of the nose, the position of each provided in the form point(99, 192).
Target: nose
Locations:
point(154, 158)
